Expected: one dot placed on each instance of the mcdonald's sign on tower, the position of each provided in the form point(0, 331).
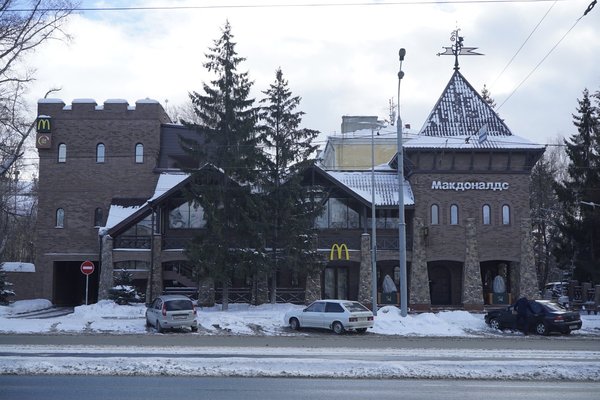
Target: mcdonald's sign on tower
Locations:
point(43, 128)
point(44, 124)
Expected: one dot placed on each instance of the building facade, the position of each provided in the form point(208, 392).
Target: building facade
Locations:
point(111, 186)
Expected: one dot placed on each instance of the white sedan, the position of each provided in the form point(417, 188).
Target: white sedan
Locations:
point(337, 315)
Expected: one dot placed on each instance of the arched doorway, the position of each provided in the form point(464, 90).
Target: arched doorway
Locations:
point(445, 282)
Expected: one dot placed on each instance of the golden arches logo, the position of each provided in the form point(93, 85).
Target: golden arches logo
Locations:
point(43, 124)
point(341, 249)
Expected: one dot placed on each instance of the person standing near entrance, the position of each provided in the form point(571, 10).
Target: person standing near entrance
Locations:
point(522, 309)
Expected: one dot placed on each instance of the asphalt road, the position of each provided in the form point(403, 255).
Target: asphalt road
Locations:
point(143, 388)
point(312, 340)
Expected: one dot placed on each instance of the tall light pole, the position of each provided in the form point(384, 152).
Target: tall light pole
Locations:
point(373, 228)
point(401, 222)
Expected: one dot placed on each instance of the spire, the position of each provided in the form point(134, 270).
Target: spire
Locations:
point(458, 49)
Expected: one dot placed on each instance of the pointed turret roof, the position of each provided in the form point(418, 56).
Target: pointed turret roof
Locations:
point(461, 111)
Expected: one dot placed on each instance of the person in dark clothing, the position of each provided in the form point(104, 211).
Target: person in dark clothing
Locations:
point(522, 309)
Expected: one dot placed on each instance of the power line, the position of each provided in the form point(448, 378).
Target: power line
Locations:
point(589, 8)
point(523, 45)
point(292, 5)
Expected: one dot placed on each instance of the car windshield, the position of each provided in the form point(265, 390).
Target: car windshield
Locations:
point(177, 305)
point(354, 306)
point(554, 307)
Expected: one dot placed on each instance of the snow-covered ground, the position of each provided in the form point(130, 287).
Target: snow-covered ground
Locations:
point(267, 320)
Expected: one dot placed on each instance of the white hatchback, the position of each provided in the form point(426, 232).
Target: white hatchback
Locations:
point(337, 315)
point(171, 312)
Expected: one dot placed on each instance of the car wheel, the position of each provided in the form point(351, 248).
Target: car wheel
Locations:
point(495, 324)
point(159, 327)
point(194, 328)
point(567, 332)
point(541, 329)
point(337, 327)
point(361, 330)
point(294, 324)
point(148, 324)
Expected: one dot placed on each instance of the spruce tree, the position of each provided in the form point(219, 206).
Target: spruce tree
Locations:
point(232, 246)
point(5, 288)
point(579, 195)
point(487, 97)
point(290, 148)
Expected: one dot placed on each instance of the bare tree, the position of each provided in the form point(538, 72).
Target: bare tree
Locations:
point(24, 26)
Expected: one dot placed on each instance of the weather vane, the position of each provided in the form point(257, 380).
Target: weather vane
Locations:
point(458, 49)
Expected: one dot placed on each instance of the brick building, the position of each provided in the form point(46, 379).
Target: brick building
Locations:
point(110, 192)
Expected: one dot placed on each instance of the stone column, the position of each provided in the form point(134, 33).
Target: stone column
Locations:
point(106, 270)
point(206, 292)
point(260, 292)
point(527, 273)
point(154, 288)
point(472, 295)
point(365, 294)
point(420, 298)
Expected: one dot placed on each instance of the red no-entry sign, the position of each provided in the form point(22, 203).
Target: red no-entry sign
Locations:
point(87, 267)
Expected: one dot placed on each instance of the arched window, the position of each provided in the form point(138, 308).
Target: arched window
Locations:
point(139, 153)
point(453, 214)
point(60, 218)
point(505, 215)
point(486, 214)
point(62, 153)
point(100, 152)
point(435, 214)
point(98, 217)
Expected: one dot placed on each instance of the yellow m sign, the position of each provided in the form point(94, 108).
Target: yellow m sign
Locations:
point(43, 124)
point(341, 249)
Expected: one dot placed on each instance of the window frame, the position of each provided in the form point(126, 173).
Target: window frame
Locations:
point(62, 153)
point(139, 155)
point(436, 214)
point(454, 215)
point(506, 217)
point(100, 153)
point(59, 218)
point(486, 214)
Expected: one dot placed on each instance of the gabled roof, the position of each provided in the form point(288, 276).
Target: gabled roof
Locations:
point(359, 185)
point(460, 110)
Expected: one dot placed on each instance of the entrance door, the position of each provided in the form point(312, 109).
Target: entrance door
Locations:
point(69, 284)
point(440, 285)
point(335, 283)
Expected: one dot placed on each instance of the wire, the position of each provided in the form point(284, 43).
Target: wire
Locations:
point(523, 45)
point(296, 5)
point(589, 8)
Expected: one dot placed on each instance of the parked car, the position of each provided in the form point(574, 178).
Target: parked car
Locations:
point(170, 312)
point(547, 316)
point(337, 315)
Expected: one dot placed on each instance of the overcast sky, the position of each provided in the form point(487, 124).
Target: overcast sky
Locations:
point(341, 59)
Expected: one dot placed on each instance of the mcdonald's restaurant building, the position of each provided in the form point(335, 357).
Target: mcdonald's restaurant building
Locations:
point(110, 191)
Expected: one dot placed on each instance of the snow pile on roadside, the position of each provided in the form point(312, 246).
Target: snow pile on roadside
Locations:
point(243, 319)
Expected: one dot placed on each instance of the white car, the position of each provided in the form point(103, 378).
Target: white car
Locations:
point(171, 312)
point(337, 315)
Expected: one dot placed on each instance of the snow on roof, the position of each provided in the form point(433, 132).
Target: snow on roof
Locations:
point(470, 142)
point(386, 186)
point(50, 101)
point(83, 101)
point(115, 101)
point(17, 266)
point(166, 181)
point(146, 101)
point(460, 110)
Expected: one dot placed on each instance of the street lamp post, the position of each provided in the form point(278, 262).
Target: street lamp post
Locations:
point(401, 222)
point(373, 228)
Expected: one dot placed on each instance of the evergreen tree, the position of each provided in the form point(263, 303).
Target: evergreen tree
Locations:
point(487, 97)
point(290, 150)
point(124, 292)
point(579, 194)
point(232, 246)
point(5, 288)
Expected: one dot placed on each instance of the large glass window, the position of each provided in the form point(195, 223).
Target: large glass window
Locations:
point(435, 214)
point(453, 214)
point(187, 216)
point(62, 153)
point(98, 217)
point(486, 214)
point(60, 218)
point(505, 214)
point(100, 153)
point(139, 153)
point(338, 215)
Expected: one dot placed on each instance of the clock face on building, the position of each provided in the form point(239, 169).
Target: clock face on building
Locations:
point(43, 141)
